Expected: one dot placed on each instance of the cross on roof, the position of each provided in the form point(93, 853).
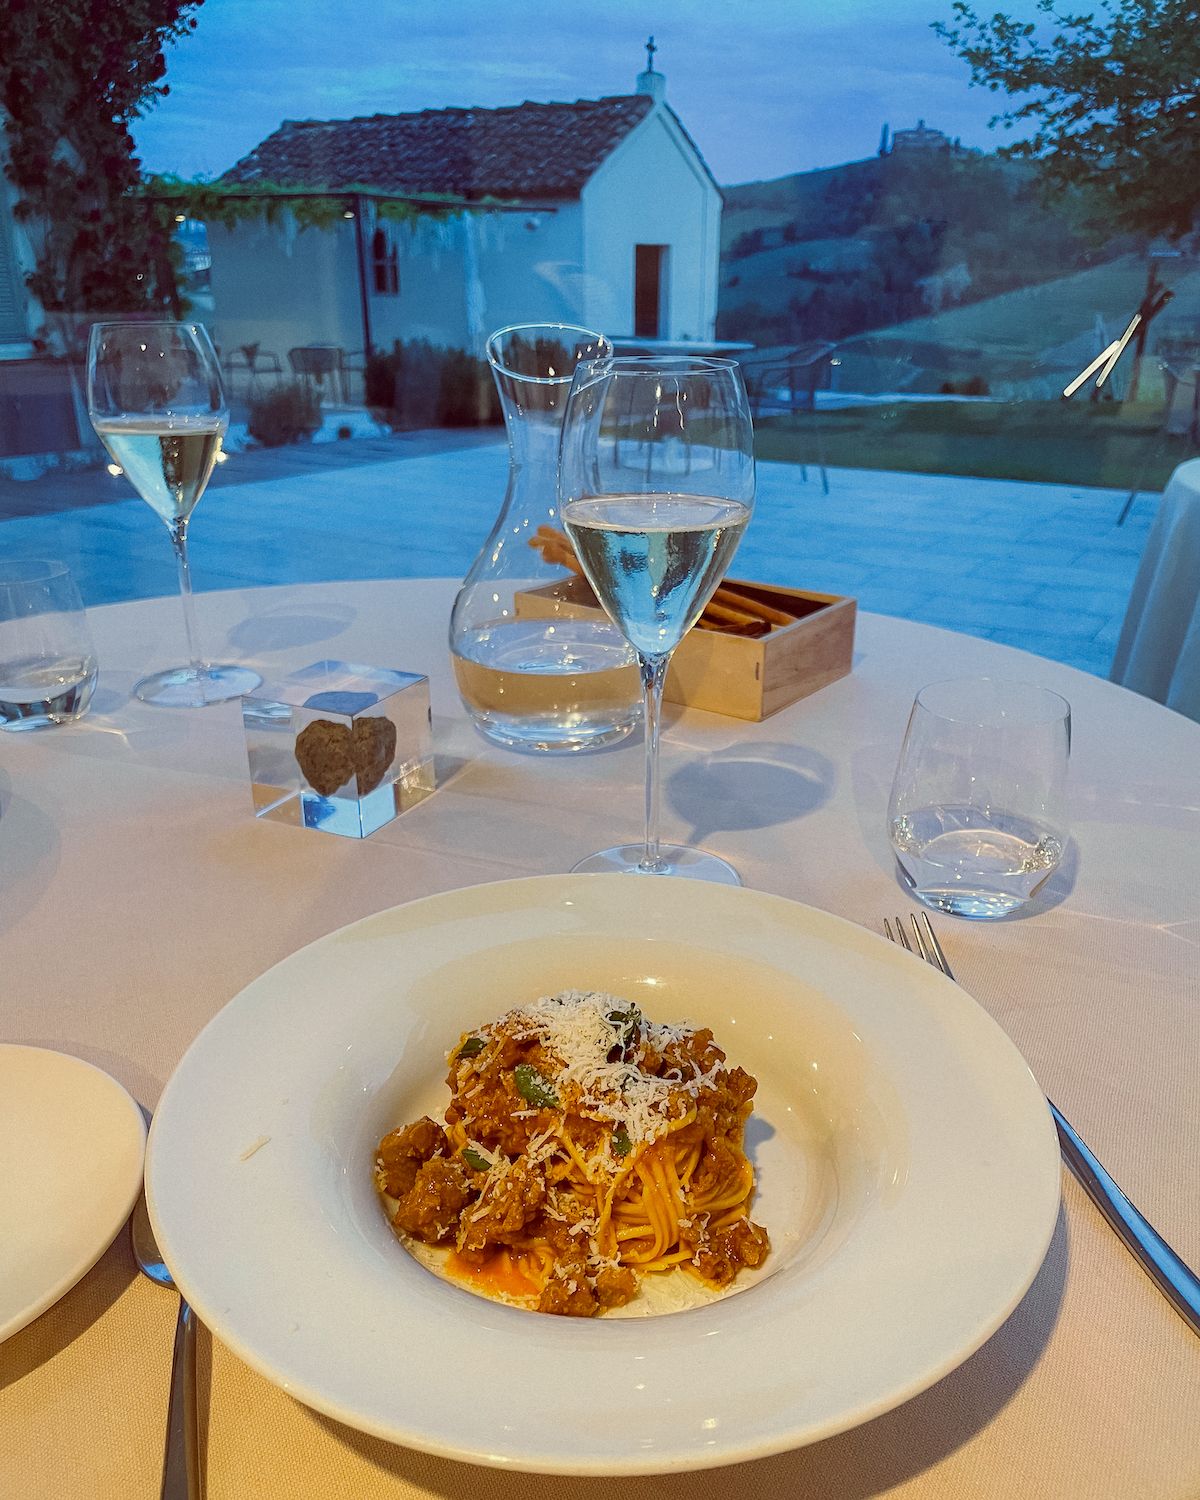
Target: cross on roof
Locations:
point(651, 49)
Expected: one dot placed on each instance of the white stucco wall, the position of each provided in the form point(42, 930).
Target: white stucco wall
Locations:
point(652, 190)
point(461, 278)
point(281, 287)
point(531, 267)
point(431, 302)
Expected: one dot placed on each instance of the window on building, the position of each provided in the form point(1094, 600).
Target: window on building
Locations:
point(649, 290)
point(385, 264)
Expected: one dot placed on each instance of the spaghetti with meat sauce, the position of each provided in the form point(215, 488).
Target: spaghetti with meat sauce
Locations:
point(583, 1146)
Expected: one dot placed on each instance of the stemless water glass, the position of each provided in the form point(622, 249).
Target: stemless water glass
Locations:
point(656, 485)
point(156, 401)
point(977, 816)
point(47, 660)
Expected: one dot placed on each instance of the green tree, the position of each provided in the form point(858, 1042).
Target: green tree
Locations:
point(74, 74)
point(1113, 98)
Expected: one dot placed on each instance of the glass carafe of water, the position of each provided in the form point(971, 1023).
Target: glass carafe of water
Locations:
point(531, 676)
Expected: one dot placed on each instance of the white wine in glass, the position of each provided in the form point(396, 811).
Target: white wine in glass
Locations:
point(168, 463)
point(157, 404)
point(651, 557)
point(656, 485)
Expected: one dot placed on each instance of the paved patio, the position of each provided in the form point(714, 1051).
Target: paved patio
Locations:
point(1043, 567)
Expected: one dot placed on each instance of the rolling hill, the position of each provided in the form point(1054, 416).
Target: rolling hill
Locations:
point(931, 269)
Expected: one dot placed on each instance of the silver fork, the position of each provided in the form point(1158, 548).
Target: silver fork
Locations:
point(1174, 1279)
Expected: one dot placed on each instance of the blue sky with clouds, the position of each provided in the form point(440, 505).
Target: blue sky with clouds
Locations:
point(765, 87)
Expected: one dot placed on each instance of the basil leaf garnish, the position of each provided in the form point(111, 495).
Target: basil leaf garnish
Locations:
point(625, 1022)
point(533, 1088)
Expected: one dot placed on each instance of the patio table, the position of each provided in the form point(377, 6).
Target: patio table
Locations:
point(1158, 652)
point(138, 894)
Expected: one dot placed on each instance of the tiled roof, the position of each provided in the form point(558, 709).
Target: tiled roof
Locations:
point(523, 151)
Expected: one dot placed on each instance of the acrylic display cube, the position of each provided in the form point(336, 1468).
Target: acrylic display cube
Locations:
point(340, 747)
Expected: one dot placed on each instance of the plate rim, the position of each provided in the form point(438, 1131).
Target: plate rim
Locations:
point(123, 1202)
point(786, 1439)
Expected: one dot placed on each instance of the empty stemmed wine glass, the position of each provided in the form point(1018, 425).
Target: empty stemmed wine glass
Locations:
point(656, 485)
point(156, 401)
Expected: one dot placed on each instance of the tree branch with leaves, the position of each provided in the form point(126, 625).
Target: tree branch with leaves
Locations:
point(1113, 97)
point(74, 75)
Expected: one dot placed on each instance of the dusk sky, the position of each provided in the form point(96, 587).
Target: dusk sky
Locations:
point(765, 87)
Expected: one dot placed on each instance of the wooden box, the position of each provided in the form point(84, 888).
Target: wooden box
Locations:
point(744, 677)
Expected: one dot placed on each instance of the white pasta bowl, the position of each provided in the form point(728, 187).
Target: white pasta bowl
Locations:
point(907, 1165)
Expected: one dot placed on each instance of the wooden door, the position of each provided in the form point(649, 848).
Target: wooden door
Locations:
point(649, 290)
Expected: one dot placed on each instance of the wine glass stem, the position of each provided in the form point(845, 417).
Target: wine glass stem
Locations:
point(178, 530)
point(654, 673)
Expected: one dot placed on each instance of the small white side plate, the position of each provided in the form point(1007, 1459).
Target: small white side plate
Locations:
point(71, 1148)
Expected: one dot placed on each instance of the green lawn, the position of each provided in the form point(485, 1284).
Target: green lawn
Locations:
point(1057, 442)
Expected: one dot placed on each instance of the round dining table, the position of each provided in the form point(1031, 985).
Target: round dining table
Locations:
point(139, 894)
point(1158, 650)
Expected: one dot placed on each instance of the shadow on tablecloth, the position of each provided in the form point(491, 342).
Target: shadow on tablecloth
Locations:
point(752, 785)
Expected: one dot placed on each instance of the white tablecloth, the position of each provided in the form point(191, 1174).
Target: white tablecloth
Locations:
point(1158, 653)
point(138, 895)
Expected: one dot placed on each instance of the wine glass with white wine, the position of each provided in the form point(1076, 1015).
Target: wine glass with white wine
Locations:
point(656, 486)
point(156, 401)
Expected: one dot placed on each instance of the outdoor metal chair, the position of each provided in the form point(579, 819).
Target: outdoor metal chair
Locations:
point(315, 363)
point(785, 384)
point(255, 361)
point(1181, 382)
point(355, 364)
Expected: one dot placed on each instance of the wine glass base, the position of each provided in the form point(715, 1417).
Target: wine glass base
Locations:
point(674, 859)
point(185, 687)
